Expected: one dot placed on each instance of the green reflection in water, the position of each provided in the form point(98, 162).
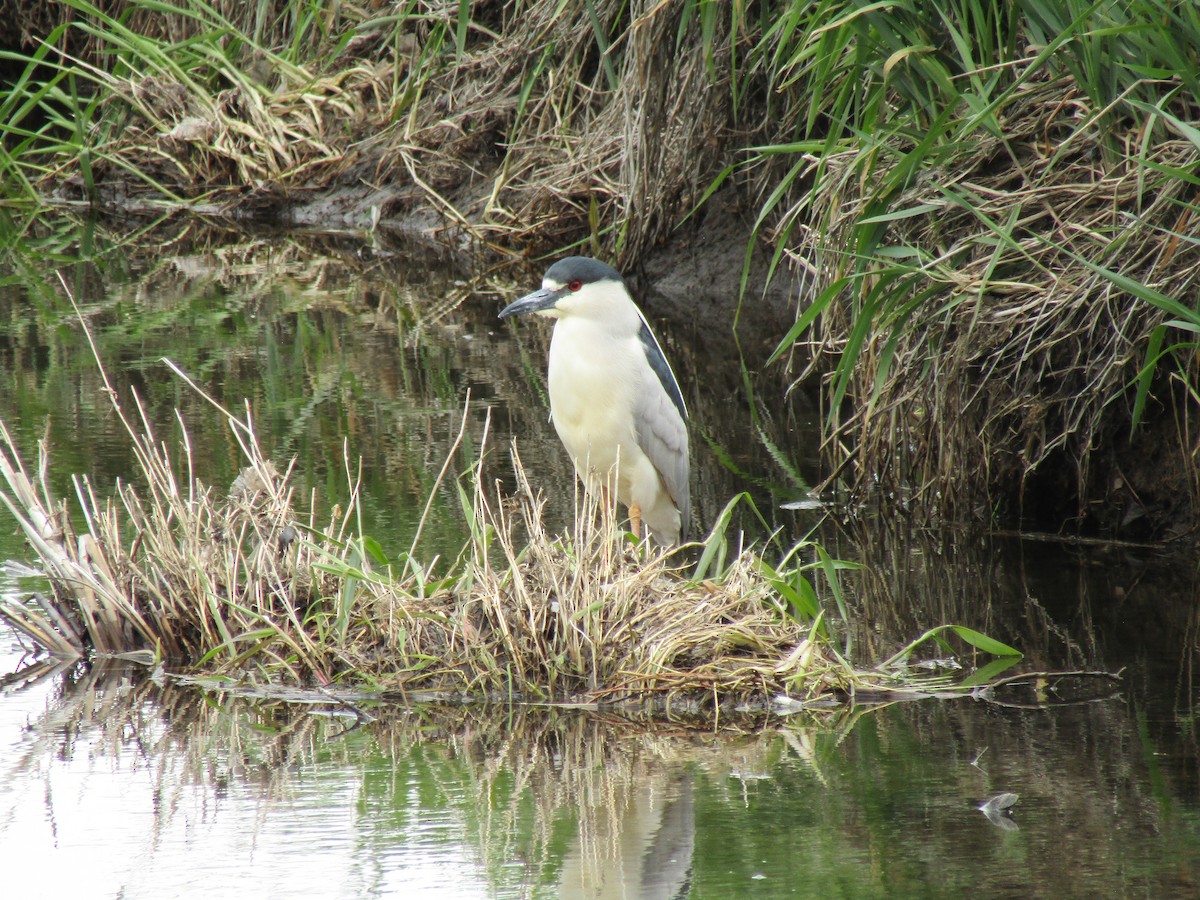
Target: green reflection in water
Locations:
point(323, 353)
point(545, 803)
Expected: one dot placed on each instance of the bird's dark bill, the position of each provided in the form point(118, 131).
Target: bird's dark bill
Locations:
point(530, 303)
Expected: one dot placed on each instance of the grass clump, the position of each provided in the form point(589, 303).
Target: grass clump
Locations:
point(178, 104)
point(527, 123)
point(239, 583)
point(994, 201)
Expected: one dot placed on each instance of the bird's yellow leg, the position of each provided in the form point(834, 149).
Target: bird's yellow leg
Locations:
point(635, 520)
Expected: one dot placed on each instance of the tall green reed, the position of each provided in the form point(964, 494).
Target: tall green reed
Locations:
point(887, 112)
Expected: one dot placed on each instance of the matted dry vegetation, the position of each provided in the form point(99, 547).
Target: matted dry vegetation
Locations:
point(240, 582)
point(1009, 377)
point(520, 132)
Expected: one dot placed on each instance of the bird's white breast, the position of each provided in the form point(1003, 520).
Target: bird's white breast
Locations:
point(591, 378)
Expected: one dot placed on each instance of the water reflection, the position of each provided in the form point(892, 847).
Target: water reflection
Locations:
point(284, 801)
point(159, 790)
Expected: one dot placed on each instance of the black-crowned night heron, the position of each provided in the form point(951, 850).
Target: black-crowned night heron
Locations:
point(614, 400)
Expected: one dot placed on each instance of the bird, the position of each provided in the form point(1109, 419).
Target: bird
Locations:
point(614, 400)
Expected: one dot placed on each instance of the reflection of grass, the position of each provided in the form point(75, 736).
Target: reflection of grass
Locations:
point(522, 789)
point(279, 322)
point(236, 581)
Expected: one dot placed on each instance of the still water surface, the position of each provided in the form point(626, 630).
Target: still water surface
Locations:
point(113, 784)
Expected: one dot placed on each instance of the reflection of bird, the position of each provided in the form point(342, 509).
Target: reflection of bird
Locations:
point(614, 400)
point(639, 847)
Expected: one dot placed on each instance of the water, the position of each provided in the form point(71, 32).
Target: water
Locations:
point(116, 785)
point(162, 791)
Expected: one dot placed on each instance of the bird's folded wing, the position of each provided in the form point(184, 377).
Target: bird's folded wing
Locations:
point(662, 435)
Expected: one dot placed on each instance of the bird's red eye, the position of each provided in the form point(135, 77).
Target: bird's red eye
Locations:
point(574, 285)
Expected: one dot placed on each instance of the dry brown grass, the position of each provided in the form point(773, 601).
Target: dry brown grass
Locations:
point(589, 616)
point(633, 154)
point(1011, 386)
point(530, 137)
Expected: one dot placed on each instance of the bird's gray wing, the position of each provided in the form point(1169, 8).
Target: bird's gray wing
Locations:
point(662, 436)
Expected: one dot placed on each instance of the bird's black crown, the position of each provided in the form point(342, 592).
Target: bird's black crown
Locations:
point(581, 268)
